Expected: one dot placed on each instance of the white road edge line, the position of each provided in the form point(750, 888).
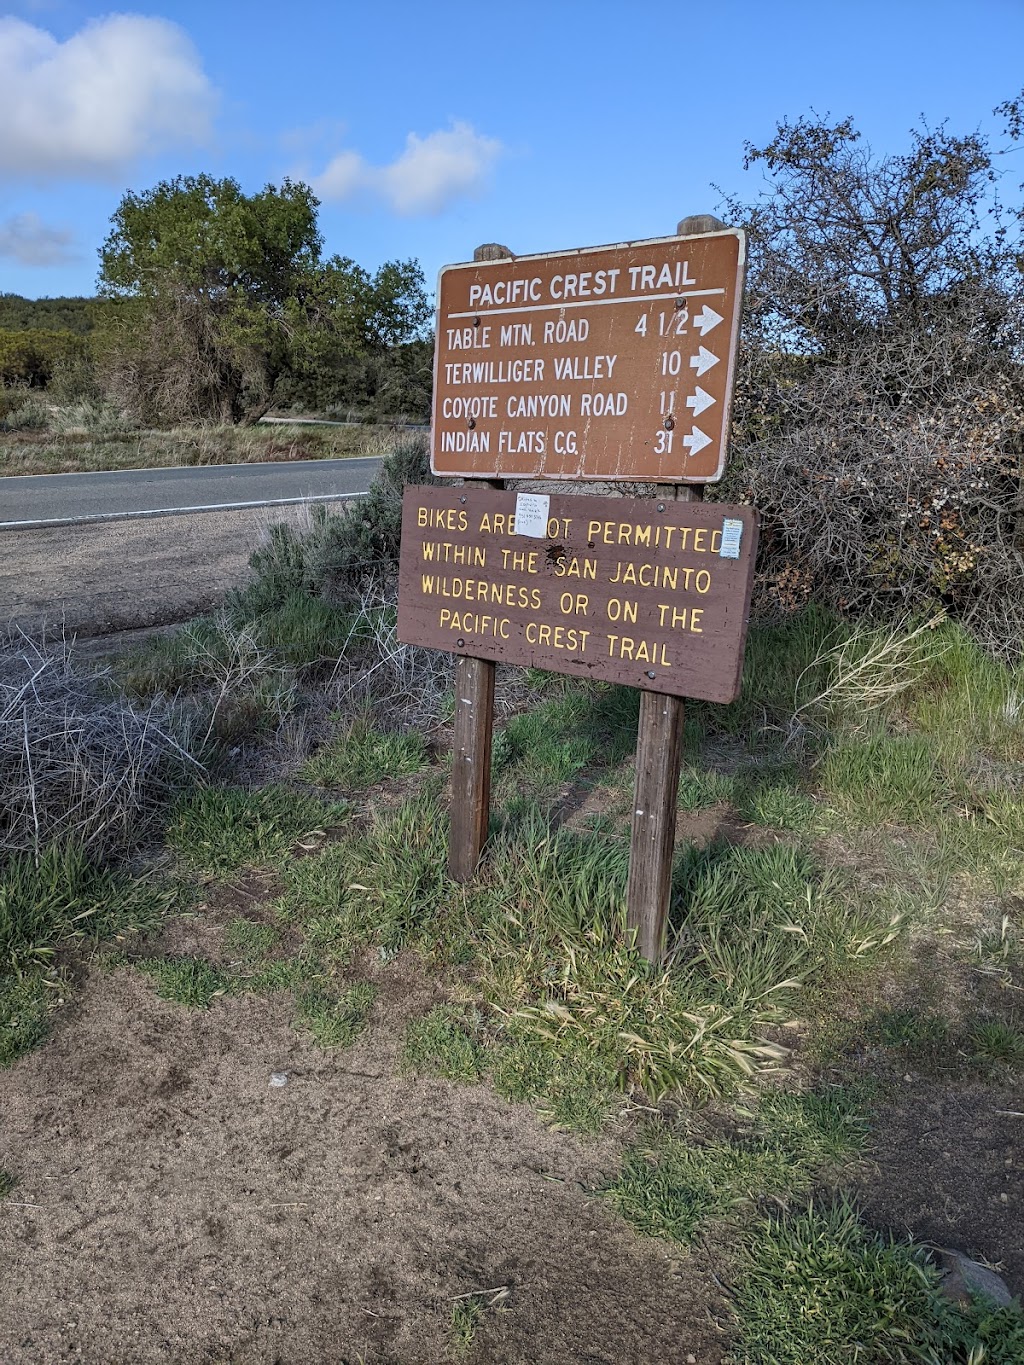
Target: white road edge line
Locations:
point(176, 511)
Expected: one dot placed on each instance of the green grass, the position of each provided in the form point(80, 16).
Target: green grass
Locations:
point(334, 1020)
point(465, 1318)
point(66, 897)
point(583, 726)
point(780, 673)
point(48, 905)
point(362, 755)
point(302, 631)
point(386, 886)
point(250, 939)
point(8, 1181)
point(967, 702)
point(222, 829)
point(700, 787)
point(817, 1285)
point(248, 654)
point(569, 1086)
point(671, 1187)
point(997, 1041)
point(886, 778)
point(191, 981)
point(26, 1002)
point(442, 1044)
point(766, 800)
point(543, 927)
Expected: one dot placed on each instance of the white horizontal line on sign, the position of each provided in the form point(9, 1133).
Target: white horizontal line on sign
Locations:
point(585, 303)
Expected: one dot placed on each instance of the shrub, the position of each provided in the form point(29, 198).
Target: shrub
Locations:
point(338, 553)
point(76, 764)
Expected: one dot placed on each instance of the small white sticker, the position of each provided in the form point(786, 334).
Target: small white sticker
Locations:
point(732, 531)
point(532, 514)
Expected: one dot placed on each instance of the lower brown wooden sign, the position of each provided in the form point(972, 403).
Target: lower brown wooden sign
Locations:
point(650, 593)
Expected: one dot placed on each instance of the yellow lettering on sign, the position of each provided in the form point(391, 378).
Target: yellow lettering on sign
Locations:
point(638, 651)
point(443, 518)
point(575, 568)
point(520, 561)
point(618, 610)
point(556, 637)
point(688, 619)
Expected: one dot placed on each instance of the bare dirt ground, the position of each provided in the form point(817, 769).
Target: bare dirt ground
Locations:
point(948, 1168)
point(123, 575)
point(173, 1207)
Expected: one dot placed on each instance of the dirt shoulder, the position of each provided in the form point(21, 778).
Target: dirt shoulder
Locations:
point(173, 1206)
point(110, 576)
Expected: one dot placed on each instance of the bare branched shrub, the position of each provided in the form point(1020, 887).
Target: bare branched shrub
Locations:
point(378, 670)
point(880, 400)
point(76, 764)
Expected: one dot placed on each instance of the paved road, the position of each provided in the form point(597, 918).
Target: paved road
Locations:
point(61, 499)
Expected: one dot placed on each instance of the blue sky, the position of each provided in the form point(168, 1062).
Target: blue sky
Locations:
point(427, 129)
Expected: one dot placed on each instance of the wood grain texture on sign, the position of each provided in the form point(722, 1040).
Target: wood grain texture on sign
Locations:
point(629, 590)
point(603, 363)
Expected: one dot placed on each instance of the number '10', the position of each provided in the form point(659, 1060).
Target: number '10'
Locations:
point(671, 362)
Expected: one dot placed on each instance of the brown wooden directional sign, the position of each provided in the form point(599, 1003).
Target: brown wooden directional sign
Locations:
point(605, 363)
point(654, 594)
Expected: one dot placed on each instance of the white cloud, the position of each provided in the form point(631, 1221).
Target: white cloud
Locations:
point(431, 173)
point(87, 108)
point(26, 239)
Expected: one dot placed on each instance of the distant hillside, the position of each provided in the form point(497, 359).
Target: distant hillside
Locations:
point(53, 315)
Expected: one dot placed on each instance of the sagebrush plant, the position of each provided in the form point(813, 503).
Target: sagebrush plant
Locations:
point(879, 404)
point(337, 553)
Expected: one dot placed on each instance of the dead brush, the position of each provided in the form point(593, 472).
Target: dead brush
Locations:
point(376, 669)
point(864, 672)
point(76, 764)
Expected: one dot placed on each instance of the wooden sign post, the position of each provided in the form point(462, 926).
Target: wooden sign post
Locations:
point(611, 363)
point(474, 726)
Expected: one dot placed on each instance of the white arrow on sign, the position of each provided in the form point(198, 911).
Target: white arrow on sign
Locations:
point(696, 440)
point(708, 319)
point(703, 361)
point(699, 400)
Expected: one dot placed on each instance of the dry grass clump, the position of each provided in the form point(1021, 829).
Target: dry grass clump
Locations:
point(77, 764)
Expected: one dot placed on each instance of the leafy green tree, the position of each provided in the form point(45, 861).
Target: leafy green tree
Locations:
point(222, 296)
